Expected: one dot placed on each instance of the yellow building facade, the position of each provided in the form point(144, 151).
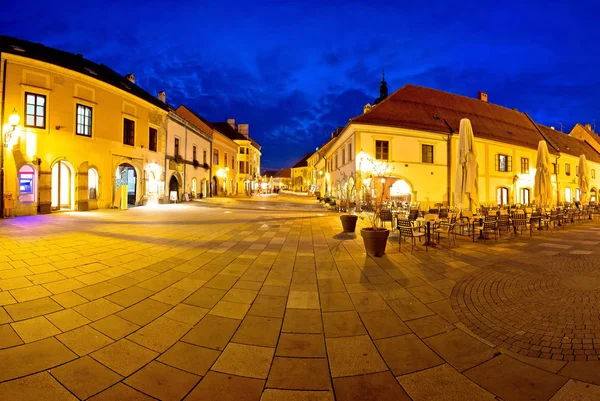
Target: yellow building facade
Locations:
point(87, 137)
point(411, 138)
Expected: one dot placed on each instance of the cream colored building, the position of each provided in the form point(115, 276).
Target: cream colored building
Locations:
point(223, 155)
point(248, 172)
point(84, 131)
point(186, 159)
point(300, 174)
point(413, 134)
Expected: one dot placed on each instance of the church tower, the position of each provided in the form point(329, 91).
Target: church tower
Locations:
point(383, 89)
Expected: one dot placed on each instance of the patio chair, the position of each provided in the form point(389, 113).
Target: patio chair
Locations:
point(520, 224)
point(554, 219)
point(413, 214)
point(406, 230)
point(447, 228)
point(386, 215)
point(503, 223)
point(490, 226)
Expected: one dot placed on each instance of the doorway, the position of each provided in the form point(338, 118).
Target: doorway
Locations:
point(126, 175)
point(62, 186)
point(173, 189)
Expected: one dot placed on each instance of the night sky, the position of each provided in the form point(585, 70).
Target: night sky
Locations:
point(294, 70)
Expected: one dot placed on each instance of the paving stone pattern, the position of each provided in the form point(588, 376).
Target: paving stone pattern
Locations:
point(230, 302)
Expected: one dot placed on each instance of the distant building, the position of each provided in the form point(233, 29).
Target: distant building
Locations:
point(283, 179)
point(299, 174)
point(248, 155)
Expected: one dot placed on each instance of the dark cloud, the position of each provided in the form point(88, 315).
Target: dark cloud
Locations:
point(296, 70)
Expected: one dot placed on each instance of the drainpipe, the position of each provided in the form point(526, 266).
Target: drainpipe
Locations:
point(557, 187)
point(448, 163)
point(211, 159)
point(2, 142)
point(166, 192)
point(184, 163)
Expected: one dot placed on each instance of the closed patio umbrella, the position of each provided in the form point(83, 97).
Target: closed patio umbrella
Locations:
point(543, 184)
point(584, 180)
point(466, 190)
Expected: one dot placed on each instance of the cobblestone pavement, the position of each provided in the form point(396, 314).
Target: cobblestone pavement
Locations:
point(218, 303)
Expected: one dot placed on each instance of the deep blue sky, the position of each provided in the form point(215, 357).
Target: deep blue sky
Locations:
point(294, 70)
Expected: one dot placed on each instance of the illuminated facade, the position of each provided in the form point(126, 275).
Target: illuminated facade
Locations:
point(187, 158)
point(300, 173)
point(414, 134)
point(248, 165)
point(223, 155)
point(88, 137)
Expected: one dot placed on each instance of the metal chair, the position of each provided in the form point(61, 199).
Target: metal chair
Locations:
point(447, 227)
point(386, 215)
point(406, 230)
point(490, 226)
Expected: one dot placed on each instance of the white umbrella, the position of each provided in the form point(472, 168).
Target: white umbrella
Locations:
point(543, 184)
point(584, 179)
point(466, 190)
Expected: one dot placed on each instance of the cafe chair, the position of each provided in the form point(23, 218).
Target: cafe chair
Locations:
point(406, 230)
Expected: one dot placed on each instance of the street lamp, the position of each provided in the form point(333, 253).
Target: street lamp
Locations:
point(5, 138)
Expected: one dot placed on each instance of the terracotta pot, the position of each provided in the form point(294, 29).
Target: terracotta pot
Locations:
point(349, 222)
point(375, 241)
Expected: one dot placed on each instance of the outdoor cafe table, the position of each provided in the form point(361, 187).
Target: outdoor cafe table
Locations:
point(428, 241)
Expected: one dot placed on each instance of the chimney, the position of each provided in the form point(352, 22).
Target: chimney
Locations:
point(482, 96)
point(162, 96)
point(367, 108)
point(589, 127)
point(130, 78)
point(243, 129)
point(231, 121)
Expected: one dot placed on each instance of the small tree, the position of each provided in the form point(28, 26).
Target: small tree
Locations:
point(348, 193)
point(381, 183)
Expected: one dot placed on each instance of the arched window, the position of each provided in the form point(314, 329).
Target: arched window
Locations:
point(27, 184)
point(525, 196)
point(593, 195)
point(194, 186)
point(568, 195)
point(92, 184)
point(577, 194)
point(502, 195)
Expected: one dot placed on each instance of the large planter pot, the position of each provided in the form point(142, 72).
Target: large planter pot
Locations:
point(349, 222)
point(375, 241)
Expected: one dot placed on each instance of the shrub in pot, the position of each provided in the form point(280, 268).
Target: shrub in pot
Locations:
point(348, 219)
point(375, 235)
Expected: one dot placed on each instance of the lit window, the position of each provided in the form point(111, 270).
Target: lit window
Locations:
point(503, 163)
point(524, 165)
point(568, 195)
point(502, 196)
point(92, 184)
point(577, 194)
point(525, 196)
point(35, 110)
point(84, 120)
point(567, 169)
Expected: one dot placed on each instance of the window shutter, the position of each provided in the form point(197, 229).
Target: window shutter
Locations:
point(509, 162)
point(497, 162)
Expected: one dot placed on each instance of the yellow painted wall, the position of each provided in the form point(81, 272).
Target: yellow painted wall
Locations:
point(104, 151)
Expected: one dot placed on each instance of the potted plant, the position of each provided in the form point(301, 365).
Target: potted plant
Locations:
point(375, 235)
point(349, 220)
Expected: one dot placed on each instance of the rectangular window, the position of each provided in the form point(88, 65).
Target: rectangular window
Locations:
point(554, 168)
point(381, 150)
point(502, 196)
point(343, 156)
point(232, 162)
point(524, 165)
point(152, 139)
point(176, 146)
point(503, 163)
point(35, 110)
point(216, 157)
point(525, 195)
point(567, 169)
point(593, 173)
point(350, 152)
point(204, 156)
point(84, 120)
point(194, 153)
point(225, 160)
point(427, 153)
point(128, 132)
point(337, 161)
point(241, 167)
point(247, 168)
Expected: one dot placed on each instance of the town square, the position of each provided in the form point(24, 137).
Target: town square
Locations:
point(299, 201)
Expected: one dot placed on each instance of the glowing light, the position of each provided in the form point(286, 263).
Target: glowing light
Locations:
point(383, 180)
point(14, 118)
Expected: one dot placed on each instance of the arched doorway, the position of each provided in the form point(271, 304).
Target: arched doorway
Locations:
point(400, 192)
point(214, 186)
point(194, 187)
point(173, 189)
point(203, 190)
point(62, 186)
point(126, 175)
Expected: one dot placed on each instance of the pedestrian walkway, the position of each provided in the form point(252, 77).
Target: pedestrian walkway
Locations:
point(197, 303)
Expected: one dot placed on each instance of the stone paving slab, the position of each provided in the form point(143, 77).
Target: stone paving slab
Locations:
point(196, 303)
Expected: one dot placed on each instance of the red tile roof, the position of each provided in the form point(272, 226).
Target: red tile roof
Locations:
point(284, 173)
point(570, 145)
point(304, 161)
point(426, 109)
